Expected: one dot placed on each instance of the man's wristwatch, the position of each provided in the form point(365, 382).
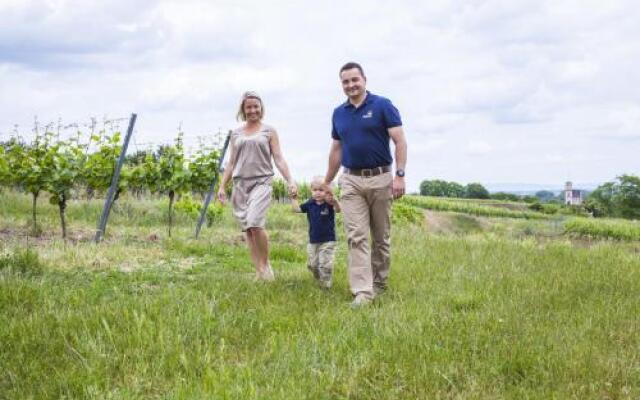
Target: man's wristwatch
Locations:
point(400, 173)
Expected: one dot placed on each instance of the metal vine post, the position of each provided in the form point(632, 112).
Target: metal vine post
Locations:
point(207, 200)
point(102, 224)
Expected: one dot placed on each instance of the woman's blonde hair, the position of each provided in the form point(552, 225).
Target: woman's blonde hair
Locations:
point(241, 116)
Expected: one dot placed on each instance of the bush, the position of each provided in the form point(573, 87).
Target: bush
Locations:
point(186, 205)
point(404, 213)
point(504, 196)
point(214, 213)
point(550, 208)
point(535, 207)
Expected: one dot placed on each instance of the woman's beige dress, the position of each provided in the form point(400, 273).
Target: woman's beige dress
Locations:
point(252, 176)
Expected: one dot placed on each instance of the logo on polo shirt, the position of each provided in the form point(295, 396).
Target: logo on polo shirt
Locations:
point(369, 114)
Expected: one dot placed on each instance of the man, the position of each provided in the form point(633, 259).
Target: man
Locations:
point(361, 129)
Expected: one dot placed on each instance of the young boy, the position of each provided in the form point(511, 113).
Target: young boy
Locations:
point(320, 210)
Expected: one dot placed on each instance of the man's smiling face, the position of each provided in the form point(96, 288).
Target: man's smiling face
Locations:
point(353, 83)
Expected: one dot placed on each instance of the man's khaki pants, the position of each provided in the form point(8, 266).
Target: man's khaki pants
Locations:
point(366, 207)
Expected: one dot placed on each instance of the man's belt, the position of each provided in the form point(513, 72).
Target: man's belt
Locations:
point(367, 172)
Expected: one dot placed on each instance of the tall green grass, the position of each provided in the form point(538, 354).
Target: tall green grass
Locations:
point(470, 316)
point(604, 228)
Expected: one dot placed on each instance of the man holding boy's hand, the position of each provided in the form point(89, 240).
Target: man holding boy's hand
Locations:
point(320, 210)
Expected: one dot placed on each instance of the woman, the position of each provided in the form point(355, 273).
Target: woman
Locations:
point(253, 145)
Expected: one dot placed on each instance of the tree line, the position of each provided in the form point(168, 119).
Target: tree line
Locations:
point(442, 188)
point(619, 198)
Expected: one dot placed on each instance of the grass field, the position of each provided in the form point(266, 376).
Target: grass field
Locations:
point(485, 310)
point(609, 228)
point(488, 208)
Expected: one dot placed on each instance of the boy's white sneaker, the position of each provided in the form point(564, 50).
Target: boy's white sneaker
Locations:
point(324, 285)
point(360, 300)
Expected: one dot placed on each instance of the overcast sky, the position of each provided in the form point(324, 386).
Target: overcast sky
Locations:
point(489, 91)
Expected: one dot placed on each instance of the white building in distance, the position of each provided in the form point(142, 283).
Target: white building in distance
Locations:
point(572, 197)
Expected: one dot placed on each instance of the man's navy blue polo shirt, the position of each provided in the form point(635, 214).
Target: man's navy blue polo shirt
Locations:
point(322, 221)
point(363, 132)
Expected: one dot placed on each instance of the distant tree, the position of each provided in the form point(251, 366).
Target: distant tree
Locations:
point(455, 190)
point(619, 198)
point(559, 197)
point(600, 201)
point(476, 191)
point(504, 196)
point(627, 199)
point(441, 188)
point(545, 195)
point(530, 199)
point(434, 187)
point(595, 207)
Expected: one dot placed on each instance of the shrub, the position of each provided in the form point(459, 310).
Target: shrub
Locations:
point(535, 207)
point(404, 213)
point(186, 205)
point(550, 208)
point(544, 208)
point(214, 213)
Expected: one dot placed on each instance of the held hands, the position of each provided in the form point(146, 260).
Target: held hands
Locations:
point(222, 196)
point(398, 187)
point(328, 194)
point(293, 190)
point(329, 198)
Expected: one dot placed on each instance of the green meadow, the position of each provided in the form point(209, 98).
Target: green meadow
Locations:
point(480, 306)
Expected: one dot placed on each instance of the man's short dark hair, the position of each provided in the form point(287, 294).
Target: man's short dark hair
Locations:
point(351, 65)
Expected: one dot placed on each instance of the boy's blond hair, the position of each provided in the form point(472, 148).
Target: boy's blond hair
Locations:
point(317, 181)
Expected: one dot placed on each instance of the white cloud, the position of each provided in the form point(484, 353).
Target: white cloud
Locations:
point(533, 84)
point(478, 147)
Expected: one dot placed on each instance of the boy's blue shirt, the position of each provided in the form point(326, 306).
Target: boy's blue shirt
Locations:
point(322, 221)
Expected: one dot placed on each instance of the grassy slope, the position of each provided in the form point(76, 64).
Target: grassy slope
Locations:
point(475, 316)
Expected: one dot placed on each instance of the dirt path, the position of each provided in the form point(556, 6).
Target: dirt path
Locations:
point(438, 222)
